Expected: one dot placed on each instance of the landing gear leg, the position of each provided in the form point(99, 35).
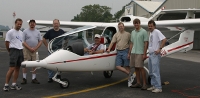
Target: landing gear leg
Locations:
point(64, 83)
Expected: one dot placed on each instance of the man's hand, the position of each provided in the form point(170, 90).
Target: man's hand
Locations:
point(144, 57)
point(91, 52)
point(31, 49)
point(128, 56)
point(108, 51)
point(158, 51)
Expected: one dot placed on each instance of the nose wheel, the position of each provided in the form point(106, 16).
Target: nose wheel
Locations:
point(64, 83)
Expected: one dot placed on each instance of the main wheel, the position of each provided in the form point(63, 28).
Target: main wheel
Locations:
point(67, 83)
point(107, 74)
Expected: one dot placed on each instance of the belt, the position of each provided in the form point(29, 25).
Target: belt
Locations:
point(15, 49)
point(123, 49)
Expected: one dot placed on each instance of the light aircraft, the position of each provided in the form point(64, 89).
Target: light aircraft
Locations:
point(67, 49)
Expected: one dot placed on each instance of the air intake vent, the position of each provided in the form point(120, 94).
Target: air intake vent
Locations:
point(125, 19)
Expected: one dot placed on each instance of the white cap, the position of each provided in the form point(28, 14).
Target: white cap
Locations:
point(97, 35)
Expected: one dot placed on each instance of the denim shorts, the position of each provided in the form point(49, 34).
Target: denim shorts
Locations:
point(122, 58)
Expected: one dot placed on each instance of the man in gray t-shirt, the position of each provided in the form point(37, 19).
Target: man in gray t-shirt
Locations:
point(96, 47)
point(32, 40)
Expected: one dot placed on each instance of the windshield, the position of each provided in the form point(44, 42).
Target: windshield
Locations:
point(64, 41)
point(67, 39)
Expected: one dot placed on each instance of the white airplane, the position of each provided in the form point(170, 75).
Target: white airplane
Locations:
point(68, 53)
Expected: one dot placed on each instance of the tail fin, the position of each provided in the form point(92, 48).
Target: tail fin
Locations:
point(186, 38)
point(184, 44)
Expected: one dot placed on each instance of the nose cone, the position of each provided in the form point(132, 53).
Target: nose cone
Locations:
point(37, 63)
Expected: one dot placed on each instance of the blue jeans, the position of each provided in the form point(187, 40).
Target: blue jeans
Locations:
point(122, 58)
point(50, 72)
point(154, 70)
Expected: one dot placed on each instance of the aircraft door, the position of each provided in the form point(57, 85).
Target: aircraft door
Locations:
point(108, 33)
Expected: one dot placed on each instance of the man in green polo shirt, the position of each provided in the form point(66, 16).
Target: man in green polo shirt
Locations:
point(137, 53)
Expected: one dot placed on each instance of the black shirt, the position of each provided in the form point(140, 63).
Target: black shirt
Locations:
point(51, 34)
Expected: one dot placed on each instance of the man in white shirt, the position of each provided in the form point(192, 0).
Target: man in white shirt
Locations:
point(156, 43)
point(13, 42)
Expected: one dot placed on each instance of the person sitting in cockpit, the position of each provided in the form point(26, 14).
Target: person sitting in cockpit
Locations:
point(96, 47)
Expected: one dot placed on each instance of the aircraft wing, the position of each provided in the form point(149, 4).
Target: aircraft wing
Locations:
point(180, 10)
point(173, 25)
point(70, 24)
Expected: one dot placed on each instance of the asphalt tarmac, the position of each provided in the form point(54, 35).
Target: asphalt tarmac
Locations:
point(183, 76)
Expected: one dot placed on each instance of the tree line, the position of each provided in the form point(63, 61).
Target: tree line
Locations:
point(97, 13)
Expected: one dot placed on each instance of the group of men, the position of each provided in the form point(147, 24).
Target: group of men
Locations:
point(24, 46)
point(131, 52)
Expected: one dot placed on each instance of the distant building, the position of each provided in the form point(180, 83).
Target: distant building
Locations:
point(4, 28)
point(146, 8)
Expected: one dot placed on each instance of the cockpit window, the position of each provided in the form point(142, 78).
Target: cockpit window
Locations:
point(67, 39)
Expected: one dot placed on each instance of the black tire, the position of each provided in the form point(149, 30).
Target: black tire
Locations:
point(149, 80)
point(77, 48)
point(107, 74)
point(66, 81)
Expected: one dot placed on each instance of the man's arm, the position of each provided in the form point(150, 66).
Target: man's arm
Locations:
point(114, 40)
point(110, 46)
point(38, 45)
point(27, 46)
point(146, 43)
point(99, 51)
point(163, 43)
point(145, 47)
point(130, 48)
point(161, 46)
point(45, 42)
point(86, 50)
point(7, 43)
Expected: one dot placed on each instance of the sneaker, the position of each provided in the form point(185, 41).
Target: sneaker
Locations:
point(24, 81)
point(129, 83)
point(6, 88)
point(151, 88)
point(15, 87)
point(144, 87)
point(157, 90)
point(136, 85)
point(35, 81)
point(131, 78)
point(50, 80)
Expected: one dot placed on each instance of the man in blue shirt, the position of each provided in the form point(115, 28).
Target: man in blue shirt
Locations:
point(51, 34)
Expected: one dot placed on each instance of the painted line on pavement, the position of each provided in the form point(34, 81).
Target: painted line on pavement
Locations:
point(86, 90)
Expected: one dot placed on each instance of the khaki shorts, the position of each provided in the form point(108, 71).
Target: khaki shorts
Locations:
point(136, 60)
point(29, 56)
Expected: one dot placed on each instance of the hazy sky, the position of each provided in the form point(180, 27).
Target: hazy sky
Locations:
point(49, 9)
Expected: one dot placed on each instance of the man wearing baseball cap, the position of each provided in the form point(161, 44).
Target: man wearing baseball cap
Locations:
point(32, 40)
point(95, 47)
